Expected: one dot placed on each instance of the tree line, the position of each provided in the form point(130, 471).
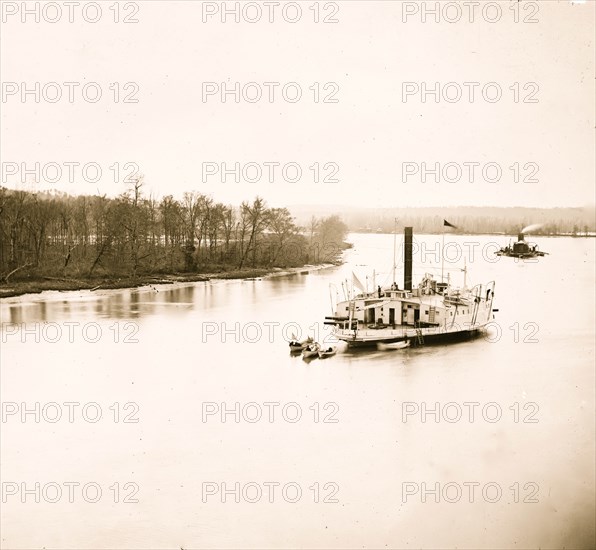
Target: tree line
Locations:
point(477, 220)
point(53, 234)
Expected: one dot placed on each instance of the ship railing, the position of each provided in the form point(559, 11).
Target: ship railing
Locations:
point(362, 332)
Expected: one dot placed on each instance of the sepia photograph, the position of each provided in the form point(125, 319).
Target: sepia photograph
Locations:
point(309, 274)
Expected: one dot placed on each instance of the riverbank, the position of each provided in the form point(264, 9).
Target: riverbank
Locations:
point(43, 284)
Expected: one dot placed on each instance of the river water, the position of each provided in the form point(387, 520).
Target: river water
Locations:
point(366, 449)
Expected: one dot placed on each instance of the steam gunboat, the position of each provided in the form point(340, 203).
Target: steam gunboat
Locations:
point(415, 315)
point(521, 249)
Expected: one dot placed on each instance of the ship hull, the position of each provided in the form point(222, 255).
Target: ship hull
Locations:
point(411, 335)
point(428, 340)
point(521, 255)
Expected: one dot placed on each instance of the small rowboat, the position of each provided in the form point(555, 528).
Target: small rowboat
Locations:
point(393, 345)
point(312, 350)
point(296, 346)
point(327, 352)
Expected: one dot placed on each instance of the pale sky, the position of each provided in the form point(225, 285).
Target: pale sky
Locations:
point(368, 134)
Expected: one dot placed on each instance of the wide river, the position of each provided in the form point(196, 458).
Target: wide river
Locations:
point(175, 417)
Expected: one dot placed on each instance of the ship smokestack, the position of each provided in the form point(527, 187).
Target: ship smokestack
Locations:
point(407, 258)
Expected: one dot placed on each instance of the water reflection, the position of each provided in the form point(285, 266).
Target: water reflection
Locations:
point(177, 365)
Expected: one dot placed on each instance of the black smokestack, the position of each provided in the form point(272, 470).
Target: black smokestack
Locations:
point(407, 258)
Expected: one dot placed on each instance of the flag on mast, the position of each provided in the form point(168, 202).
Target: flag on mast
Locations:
point(445, 224)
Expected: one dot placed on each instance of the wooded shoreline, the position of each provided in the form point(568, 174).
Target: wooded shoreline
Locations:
point(51, 241)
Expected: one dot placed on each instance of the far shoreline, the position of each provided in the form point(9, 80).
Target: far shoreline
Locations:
point(47, 284)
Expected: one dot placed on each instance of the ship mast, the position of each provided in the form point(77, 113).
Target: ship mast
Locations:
point(394, 246)
point(443, 253)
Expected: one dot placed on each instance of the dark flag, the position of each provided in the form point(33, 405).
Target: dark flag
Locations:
point(447, 224)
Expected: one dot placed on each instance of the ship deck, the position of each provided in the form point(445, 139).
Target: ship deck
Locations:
point(435, 300)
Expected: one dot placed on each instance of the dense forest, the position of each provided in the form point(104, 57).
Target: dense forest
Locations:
point(54, 234)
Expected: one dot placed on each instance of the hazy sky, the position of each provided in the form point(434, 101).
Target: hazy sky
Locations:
point(368, 134)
